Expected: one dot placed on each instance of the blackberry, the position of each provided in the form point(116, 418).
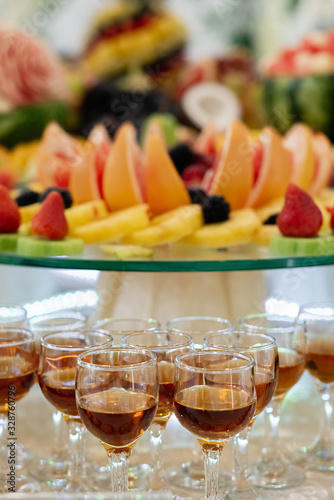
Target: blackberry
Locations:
point(66, 195)
point(197, 195)
point(27, 197)
point(182, 156)
point(271, 221)
point(215, 209)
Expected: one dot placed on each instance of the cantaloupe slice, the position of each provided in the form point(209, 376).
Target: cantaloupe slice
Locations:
point(298, 141)
point(121, 187)
point(206, 141)
point(274, 174)
point(83, 179)
point(233, 172)
point(323, 164)
point(165, 189)
point(100, 138)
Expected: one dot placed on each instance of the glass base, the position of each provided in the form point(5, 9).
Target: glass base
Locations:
point(22, 484)
point(249, 493)
point(317, 457)
point(190, 476)
point(51, 474)
point(139, 476)
point(275, 474)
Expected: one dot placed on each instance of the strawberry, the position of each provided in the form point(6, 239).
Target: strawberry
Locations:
point(300, 216)
point(193, 175)
point(7, 179)
point(10, 217)
point(50, 221)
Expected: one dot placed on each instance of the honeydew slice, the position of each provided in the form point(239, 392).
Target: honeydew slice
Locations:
point(8, 242)
point(35, 246)
point(302, 247)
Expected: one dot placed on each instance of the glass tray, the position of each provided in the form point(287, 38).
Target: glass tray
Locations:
point(174, 258)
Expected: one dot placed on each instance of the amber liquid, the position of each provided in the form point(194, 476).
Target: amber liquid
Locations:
point(291, 368)
point(15, 371)
point(166, 390)
point(214, 414)
point(117, 417)
point(265, 385)
point(58, 387)
point(320, 359)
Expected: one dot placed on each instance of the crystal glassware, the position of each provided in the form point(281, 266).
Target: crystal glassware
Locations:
point(18, 368)
point(214, 399)
point(117, 398)
point(319, 324)
point(13, 316)
point(166, 346)
point(273, 470)
point(52, 472)
point(262, 348)
point(190, 474)
point(56, 376)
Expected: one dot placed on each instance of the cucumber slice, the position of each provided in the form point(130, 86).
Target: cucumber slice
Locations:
point(35, 246)
point(8, 242)
point(302, 247)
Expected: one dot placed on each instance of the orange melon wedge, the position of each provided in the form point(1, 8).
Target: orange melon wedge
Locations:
point(83, 180)
point(233, 172)
point(100, 138)
point(275, 171)
point(323, 165)
point(298, 141)
point(122, 172)
point(165, 189)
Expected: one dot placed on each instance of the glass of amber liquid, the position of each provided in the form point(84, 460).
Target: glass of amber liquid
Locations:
point(117, 397)
point(18, 368)
point(56, 376)
point(319, 324)
point(272, 471)
point(263, 349)
point(166, 346)
point(214, 399)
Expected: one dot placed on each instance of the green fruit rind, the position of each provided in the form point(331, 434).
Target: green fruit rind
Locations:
point(8, 242)
point(35, 246)
point(302, 247)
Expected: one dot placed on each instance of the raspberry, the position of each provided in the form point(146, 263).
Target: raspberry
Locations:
point(50, 221)
point(300, 216)
point(9, 212)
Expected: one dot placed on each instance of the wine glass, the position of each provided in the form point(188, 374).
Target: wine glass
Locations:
point(272, 471)
point(52, 471)
point(118, 327)
point(191, 473)
point(18, 367)
point(214, 399)
point(166, 346)
point(13, 316)
point(263, 349)
point(319, 324)
point(56, 376)
point(117, 398)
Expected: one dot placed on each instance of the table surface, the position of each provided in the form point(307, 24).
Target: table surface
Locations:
point(299, 425)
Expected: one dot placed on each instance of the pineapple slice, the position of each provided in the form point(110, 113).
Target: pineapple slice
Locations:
point(78, 215)
point(115, 226)
point(264, 234)
point(239, 229)
point(27, 213)
point(169, 227)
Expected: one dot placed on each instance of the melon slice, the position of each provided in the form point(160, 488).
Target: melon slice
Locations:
point(83, 179)
point(100, 138)
point(298, 141)
point(165, 189)
point(323, 165)
point(233, 172)
point(123, 174)
point(206, 141)
point(274, 172)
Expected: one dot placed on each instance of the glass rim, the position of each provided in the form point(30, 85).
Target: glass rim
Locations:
point(100, 350)
point(30, 336)
point(290, 327)
point(157, 347)
point(180, 364)
point(271, 342)
point(23, 310)
point(316, 305)
point(216, 319)
point(34, 321)
point(83, 331)
point(100, 322)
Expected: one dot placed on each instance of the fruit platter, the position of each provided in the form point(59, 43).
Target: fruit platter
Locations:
point(241, 199)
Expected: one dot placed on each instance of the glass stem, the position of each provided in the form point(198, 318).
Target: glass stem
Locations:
point(211, 468)
point(119, 468)
point(324, 439)
point(77, 432)
point(240, 451)
point(60, 445)
point(272, 414)
point(156, 434)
